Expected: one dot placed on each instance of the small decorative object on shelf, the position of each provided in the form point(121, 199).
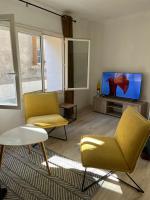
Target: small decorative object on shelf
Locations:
point(98, 88)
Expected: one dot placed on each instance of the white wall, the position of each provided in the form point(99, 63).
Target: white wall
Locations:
point(96, 57)
point(34, 17)
point(122, 45)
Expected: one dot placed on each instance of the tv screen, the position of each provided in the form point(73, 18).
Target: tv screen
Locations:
point(125, 85)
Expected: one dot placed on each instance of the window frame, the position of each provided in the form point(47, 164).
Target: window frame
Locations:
point(25, 30)
point(15, 58)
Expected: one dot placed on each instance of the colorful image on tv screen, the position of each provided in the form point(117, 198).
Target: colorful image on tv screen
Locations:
point(126, 85)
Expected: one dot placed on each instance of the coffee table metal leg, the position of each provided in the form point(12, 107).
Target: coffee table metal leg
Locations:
point(1, 156)
point(45, 156)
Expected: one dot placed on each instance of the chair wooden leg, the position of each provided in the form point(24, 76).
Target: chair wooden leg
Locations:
point(45, 156)
point(1, 155)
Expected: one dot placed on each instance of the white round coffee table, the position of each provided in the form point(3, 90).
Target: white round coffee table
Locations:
point(24, 135)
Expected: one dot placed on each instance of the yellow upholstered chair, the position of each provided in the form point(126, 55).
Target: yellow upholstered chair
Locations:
point(118, 153)
point(42, 109)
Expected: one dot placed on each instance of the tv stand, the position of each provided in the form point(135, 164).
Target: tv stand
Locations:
point(115, 106)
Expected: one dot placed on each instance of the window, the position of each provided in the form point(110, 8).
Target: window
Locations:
point(77, 54)
point(30, 62)
point(9, 77)
point(41, 63)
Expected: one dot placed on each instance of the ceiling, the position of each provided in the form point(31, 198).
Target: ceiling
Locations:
point(95, 10)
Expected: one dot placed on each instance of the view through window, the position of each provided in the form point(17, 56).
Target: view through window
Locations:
point(30, 62)
point(8, 94)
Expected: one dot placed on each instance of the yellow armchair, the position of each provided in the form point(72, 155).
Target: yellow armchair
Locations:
point(118, 153)
point(42, 109)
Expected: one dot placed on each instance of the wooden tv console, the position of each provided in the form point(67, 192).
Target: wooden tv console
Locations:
point(115, 106)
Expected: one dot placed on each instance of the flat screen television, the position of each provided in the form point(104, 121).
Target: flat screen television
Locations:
point(124, 85)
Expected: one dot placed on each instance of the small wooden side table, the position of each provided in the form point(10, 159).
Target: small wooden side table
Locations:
point(69, 106)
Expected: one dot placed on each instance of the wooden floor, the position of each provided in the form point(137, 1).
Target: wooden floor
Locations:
point(89, 122)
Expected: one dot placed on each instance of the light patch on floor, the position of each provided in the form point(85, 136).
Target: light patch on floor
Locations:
point(112, 186)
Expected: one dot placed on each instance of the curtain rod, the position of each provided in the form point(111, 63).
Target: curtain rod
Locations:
point(34, 5)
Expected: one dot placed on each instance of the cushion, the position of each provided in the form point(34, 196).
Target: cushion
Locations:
point(102, 152)
point(48, 121)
